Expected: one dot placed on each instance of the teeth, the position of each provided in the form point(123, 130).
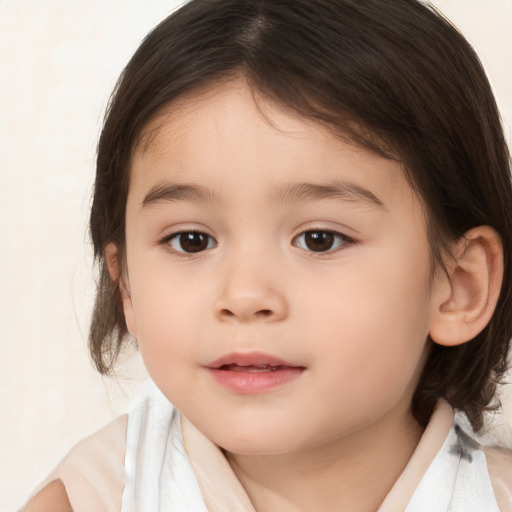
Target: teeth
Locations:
point(261, 368)
point(253, 368)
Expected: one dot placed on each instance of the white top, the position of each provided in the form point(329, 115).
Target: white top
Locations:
point(169, 465)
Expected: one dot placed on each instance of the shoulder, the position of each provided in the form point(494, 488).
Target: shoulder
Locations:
point(499, 465)
point(52, 498)
point(90, 477)
point(103, 447)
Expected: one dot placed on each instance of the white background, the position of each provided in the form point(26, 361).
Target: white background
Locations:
point(59, 60)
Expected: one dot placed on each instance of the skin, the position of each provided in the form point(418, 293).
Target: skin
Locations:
point(354, 314)
point(52, 498)
point(355, 317)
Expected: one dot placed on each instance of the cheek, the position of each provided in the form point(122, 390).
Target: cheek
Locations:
point(374, 323)
point(167, 314)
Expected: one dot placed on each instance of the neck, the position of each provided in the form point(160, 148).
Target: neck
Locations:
point(353, 473)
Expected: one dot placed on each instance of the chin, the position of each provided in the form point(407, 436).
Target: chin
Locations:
point(262, 443)
point(258, 449)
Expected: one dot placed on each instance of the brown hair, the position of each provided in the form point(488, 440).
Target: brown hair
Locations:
point(393, 75)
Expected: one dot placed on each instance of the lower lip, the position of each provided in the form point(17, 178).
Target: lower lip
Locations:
point(254, 382)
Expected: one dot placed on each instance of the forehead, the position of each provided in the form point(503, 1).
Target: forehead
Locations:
point(230, 133)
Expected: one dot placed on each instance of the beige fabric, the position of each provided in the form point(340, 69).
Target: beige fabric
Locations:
point(220, 488)
point(430, 443)
point(499, 464)
point(222, 491)
point(93, 471)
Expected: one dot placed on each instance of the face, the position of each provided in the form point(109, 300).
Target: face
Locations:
point(278, 278)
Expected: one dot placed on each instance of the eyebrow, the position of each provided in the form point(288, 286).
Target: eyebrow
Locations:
point(289, 193)
point(344, 190)
point(178, 192)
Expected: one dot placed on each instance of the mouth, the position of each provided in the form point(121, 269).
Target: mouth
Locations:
point(253, 373)
point(252, 368)
point(257, 361)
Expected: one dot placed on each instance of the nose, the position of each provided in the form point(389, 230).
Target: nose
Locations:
point(250, 295)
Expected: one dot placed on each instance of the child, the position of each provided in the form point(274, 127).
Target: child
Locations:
point(301, 214)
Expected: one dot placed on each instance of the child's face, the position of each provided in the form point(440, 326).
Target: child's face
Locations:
point(306, 257)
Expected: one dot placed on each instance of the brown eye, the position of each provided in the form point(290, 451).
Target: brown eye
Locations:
point(191, 242)
point(320, 240)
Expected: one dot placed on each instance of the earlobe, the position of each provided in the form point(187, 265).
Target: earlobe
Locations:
point(464, 298)
point(121, 279)
point(112, 261)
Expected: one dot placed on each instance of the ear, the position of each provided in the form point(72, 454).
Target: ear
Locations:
point(465, 297)
point(120, 277)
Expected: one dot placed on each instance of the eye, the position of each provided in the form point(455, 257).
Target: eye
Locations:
point(320, 240)
point(190, 242)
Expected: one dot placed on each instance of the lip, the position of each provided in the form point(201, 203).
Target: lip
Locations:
point(252, 373)
point(249, 359)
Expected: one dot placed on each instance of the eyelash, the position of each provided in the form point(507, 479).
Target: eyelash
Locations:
point(334, 237)
point(168, 240)
point(339, 239)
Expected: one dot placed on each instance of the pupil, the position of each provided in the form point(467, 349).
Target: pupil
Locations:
point(319, 241)
point(193, 242)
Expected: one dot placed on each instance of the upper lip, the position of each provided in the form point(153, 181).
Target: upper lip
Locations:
point(250, 359)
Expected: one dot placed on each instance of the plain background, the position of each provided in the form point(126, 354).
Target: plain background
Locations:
point(59, 60)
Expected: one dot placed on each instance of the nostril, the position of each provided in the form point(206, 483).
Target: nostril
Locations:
point(262, 313)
